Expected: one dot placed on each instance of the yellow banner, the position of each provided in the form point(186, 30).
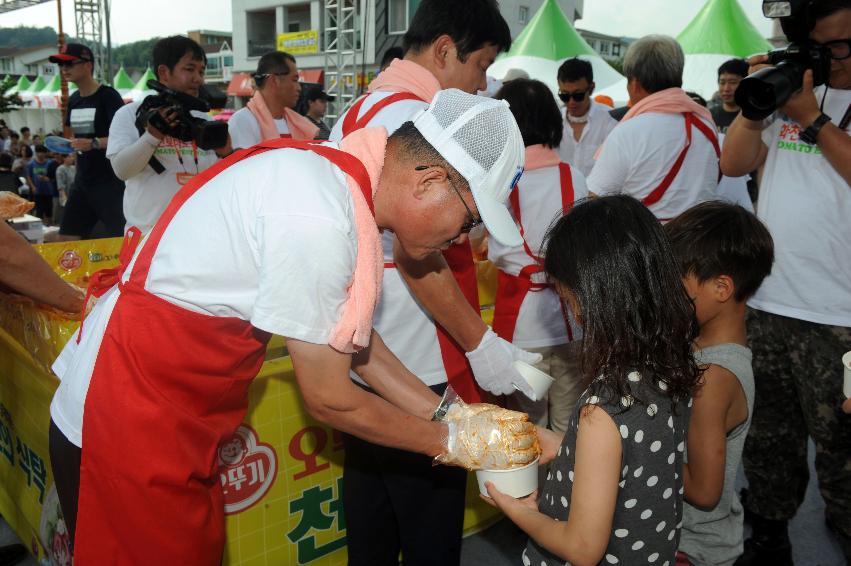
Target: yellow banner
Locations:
point(281, 471)
point(299, 42)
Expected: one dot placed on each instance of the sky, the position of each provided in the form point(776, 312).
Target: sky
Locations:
point(133, 20)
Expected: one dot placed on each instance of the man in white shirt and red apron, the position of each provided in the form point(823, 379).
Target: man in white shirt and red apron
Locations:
point(665, 151)
point(269, 114)
point(394, 500)
point(159, 372)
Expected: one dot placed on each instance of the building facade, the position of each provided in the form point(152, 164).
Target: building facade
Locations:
point(30, 61)
point(518, 13)
point(609, 47)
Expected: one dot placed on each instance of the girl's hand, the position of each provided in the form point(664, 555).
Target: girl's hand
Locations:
point(550, 442)
point(506, 503)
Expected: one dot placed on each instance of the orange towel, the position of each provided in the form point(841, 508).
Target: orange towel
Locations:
point(300, 127)
point(354, 329)
point(540, 156)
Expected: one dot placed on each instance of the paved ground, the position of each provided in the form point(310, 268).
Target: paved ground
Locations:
point(502, 544)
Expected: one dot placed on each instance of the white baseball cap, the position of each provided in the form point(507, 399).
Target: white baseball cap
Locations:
point(480, 139)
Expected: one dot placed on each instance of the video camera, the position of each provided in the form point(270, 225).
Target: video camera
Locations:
point(760, 94)
point(206, 134)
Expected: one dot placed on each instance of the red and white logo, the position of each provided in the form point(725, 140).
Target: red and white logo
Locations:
point(70, 260)
point(247, 469)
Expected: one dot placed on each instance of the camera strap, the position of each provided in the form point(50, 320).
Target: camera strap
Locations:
point(846, 119)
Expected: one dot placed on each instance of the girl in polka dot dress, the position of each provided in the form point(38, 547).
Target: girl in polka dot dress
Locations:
point(614, 491)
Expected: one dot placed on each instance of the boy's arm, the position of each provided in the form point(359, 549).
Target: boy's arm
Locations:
point(583, 538)
point(703, 475)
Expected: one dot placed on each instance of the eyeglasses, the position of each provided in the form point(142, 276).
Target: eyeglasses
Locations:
point(578, 96)
point(68, 64)
point(471, 222)
point(839, 49)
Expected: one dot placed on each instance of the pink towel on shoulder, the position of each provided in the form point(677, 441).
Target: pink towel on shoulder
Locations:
point(300, 127)
point(668, 101)
point(406, 76)
point(540, 156)
point(354, 328)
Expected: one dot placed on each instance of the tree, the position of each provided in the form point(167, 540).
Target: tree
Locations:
point(8, 101)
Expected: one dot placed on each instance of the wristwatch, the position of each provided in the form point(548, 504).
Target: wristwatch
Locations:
point(95, 143)
point(810, 134)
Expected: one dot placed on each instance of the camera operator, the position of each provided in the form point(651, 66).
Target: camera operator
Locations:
point(800, 320)
point(153, 164)
point(269, 114)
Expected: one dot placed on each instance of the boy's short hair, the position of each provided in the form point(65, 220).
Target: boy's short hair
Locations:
point(471, 27)
point(41, 149)
point(170, 50)
point(718, 238)
point(535, 111)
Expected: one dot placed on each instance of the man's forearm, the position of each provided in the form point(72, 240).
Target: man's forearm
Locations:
point(835, 145)
point(743, 149)
point(23, 270)
point(384, 373)
point(433, 285)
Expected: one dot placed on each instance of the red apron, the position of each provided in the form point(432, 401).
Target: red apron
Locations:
point(459, 258)
point(168, 386)
point(690, 121)
point(512, 289)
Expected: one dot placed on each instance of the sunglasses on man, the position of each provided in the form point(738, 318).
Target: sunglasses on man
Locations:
point(577, 96)
point(68, 64)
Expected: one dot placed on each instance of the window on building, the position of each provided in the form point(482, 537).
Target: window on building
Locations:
point(5, 64)
point(397, 16)
point(297, 17)
point(32, 69)
point(260, 32)
point(604, 47)
point(228, 60)
point(616, 49)
point(523, 16)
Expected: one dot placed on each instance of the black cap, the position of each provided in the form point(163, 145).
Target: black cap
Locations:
point(72, 52)
point(317, 93)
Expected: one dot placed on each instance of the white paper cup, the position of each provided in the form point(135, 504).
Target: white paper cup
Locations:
point(517, 482)
point(539, 381)
point(846, 366)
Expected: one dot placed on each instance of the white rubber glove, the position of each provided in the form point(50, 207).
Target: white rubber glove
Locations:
point(483, 436)
point(492, 363)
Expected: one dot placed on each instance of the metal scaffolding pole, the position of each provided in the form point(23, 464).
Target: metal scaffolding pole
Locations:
point(89, 15)
point(341, 44)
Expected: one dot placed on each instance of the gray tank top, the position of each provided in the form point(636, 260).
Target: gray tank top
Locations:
point(716, 537)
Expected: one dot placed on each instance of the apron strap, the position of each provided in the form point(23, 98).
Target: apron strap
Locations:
point(345, 161)
point(690, 120)
point(352, 123)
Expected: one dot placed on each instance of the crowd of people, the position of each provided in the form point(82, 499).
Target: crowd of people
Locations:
point(680, 270)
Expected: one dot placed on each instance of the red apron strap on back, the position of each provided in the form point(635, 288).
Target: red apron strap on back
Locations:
point(345, 161)
point(568, 195)
point(657, 193)
point(352, 123)
point(712, 136)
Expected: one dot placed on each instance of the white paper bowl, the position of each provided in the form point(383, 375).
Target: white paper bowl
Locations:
point(846, 366)
point(539, 381)
point(517, 482)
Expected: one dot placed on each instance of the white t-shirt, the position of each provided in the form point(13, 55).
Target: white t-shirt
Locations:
point(245, 245)
point(244, 129)
point(406, 328)
point(540, 322)
point(806, 205)
point(580, 154)
point(147, 194)
point(734, 189)
point(640, 152)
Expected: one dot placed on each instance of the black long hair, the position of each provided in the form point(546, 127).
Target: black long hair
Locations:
point(611, 254)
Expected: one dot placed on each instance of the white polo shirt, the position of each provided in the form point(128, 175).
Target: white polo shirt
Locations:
point(640, 152)
point(246, 245)
point(580, 154)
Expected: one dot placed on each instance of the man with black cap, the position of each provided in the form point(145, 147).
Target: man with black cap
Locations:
point(99, 193)
point(317, 105)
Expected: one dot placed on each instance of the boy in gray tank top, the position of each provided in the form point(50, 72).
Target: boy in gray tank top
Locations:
point(724, 252)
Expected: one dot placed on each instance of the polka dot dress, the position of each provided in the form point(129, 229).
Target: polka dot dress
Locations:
point(648, 514)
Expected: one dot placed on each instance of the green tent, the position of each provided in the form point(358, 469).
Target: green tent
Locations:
point(719, 32)
point(140, 90)
point(547, 40)
point(122, 81)
point(37, 85)
point(22, 85)
point(48, 97)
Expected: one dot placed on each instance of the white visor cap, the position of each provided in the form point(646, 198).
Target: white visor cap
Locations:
point(480, 139)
